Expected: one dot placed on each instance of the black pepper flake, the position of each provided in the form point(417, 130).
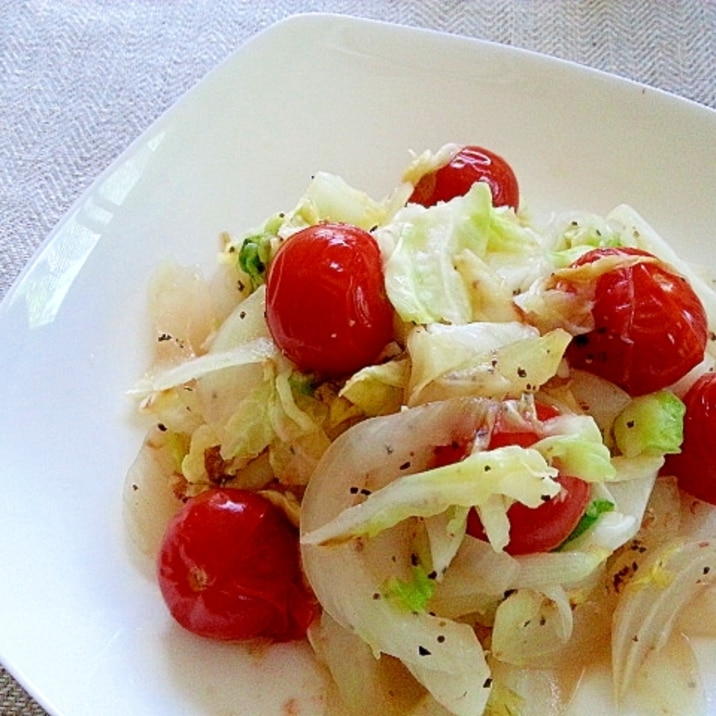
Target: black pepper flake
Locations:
point(521, 372)
point(630, 423)
point(242, 315)
point(135, 486)
point(423, 651)
point(163, 337)
point(581, 340)
point(441, 638)
point(376, 596)
point(621, 577)
point(487, 468)
point(354, 490)
point(414, 559)
point(433, 575)
point(162, 427)
point(405, 465)
point(241, 286)
point(365, 491)
point(707, 570)
point(487, 683)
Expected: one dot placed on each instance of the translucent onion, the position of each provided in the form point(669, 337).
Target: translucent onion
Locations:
point(149, 501)
point(443, 655)
point(478, 576)
point(256, 351)
point(532, 692)
point(669, 682)
point(668, 579)
point(531, 624)
point(364, 684)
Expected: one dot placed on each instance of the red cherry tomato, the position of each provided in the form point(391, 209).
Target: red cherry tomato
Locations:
point(695, 465)
point(326, 304)
point(229, 569)
point(650, 326)
point(538, 529)
point(469, 165)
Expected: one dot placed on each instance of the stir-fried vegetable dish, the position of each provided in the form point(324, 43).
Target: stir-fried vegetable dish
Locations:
point(471, 451)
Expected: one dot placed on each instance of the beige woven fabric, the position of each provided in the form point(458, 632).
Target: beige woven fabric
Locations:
point(80, 79)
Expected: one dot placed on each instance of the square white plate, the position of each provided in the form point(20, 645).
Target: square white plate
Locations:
point(81, 625)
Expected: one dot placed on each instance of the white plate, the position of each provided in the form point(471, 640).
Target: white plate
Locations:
point(82, 626)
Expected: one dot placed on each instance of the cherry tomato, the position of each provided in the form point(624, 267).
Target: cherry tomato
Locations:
point(229, 569)
point(326, 304)
point(469, 165)
point(695, 465)
point(650, 326)
point(538, 529)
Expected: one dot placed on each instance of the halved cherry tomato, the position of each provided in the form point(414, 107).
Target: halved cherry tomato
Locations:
point(469, 165)
point(695, 465)
point(538, 529)
point(326, 304)
point(229, 569)
point(650, 326)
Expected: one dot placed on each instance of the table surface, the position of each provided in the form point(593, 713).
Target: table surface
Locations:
point(80, 80)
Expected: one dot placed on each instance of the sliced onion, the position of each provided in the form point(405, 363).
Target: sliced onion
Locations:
point(669, 682)
point(533, 692)
point(443, 655)
point(365, 684)
point(644, 618)
point(530, 625)
point(149, 501)
point(255, 351)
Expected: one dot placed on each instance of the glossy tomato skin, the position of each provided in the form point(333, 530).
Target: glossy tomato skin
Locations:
point(538, 529)
point(229, 569)
point(650, 326)
point(326, 304)
point(695, 465)
point(469, 165)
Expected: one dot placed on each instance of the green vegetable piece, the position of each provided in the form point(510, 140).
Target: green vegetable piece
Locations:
point(651, 424)
point(593, 512)
point(414, 594)
point(254, 257)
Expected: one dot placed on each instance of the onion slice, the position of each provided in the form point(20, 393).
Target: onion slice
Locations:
point(443, 655)
point(647, 609)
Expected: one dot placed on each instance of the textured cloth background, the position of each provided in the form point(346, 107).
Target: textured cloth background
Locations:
point(80, 79)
